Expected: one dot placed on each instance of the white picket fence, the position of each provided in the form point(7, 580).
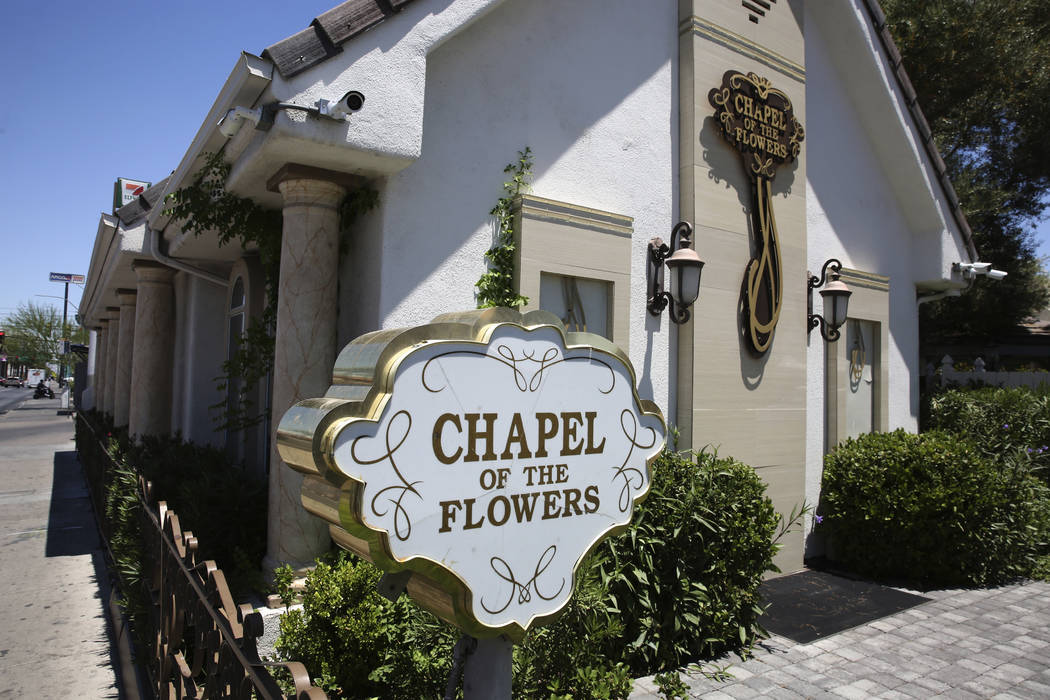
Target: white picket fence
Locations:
point(948, 375)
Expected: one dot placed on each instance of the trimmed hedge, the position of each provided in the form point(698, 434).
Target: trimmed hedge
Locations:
point(932, 509)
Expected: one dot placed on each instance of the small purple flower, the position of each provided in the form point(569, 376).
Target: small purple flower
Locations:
point(1006, 426)
point(1030, 451)
point(819, 519)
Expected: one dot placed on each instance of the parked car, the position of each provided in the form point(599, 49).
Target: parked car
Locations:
point(12, 381)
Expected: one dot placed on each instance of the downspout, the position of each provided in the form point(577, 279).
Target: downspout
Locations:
point(155, 252)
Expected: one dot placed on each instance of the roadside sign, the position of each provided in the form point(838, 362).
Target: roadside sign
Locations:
point(66, 277)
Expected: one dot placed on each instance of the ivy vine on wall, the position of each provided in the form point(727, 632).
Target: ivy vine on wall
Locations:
point(204, 206)
point(496, 286)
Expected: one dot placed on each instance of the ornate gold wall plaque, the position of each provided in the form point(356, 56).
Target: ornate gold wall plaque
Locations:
point(485, 453)
point(759, 122)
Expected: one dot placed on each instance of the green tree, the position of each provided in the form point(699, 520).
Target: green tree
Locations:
point(981, 69)
point(34, 334)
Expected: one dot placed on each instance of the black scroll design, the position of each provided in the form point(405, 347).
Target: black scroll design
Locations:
point(523, 590)
point(763, 289)
point(633, 478)
point(402, 523)
point(525, 381)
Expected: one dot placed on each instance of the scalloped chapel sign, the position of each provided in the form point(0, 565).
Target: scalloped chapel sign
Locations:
point(486, 452)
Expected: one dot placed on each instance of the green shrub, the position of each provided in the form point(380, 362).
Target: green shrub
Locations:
point(681, 584)
point(358, 644)
point(999, 421)
point(222, 503)
point(933, 509)
point(578, 656)
point(685, 576)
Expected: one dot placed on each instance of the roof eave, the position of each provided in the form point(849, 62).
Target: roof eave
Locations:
point(246, 84)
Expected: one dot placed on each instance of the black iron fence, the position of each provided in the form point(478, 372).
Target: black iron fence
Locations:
point(199, 643)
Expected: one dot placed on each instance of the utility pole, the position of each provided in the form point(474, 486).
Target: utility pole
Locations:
point(65, 340)
point(66, 278)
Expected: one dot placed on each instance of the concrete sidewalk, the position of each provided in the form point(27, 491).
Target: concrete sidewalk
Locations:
point(987, 643)
point(54, 639)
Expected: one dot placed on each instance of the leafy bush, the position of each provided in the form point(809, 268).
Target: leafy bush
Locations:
point(933, 509)
point(999, 421)
point(680, 585)
point(358, 644)
point(686, 574)
point(580, 654)
point(222, 503)
point(113, 487)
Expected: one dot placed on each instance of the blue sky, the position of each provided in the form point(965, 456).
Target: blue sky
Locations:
point(94, 91)
point(101, 90)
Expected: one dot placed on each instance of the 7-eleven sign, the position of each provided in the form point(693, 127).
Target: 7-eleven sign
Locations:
point(125, 191)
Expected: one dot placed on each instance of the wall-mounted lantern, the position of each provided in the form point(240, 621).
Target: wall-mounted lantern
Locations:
point(836, 300)
point(685, 266)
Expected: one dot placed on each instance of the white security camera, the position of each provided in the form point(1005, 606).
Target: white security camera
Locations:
point(970, 271)
point(343, 107)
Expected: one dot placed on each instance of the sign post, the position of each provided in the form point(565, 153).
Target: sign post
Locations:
point(66, 278)
point(485, 454)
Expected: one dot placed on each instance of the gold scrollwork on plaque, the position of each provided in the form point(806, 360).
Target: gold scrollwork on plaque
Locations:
point(759, 122)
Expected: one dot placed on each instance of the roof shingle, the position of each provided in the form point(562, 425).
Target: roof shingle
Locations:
point(326, 34)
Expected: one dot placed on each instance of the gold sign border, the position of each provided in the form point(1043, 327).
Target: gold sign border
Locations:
point(363, 379)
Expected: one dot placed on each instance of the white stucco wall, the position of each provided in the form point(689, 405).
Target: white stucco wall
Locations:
point(600, 115)
point(200, 337)
point(856, 212)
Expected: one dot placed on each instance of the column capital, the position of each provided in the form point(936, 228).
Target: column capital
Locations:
point(127, 296)
point(112, 313)
point(312, 182)
point(152, 271)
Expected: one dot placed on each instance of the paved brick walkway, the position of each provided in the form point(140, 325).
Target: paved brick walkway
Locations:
point(989, 643)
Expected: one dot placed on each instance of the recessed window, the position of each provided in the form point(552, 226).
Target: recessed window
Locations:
point(576, 263)
point(237, 295)
point(856, 375)
point(582, 304)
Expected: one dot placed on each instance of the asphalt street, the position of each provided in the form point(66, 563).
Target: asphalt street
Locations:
point(12, 396)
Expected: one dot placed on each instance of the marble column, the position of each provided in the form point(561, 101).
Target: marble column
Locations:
point(149, 411)
point(102, 338)
point(122, 379)
point(304, 349)
point(112, 343)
